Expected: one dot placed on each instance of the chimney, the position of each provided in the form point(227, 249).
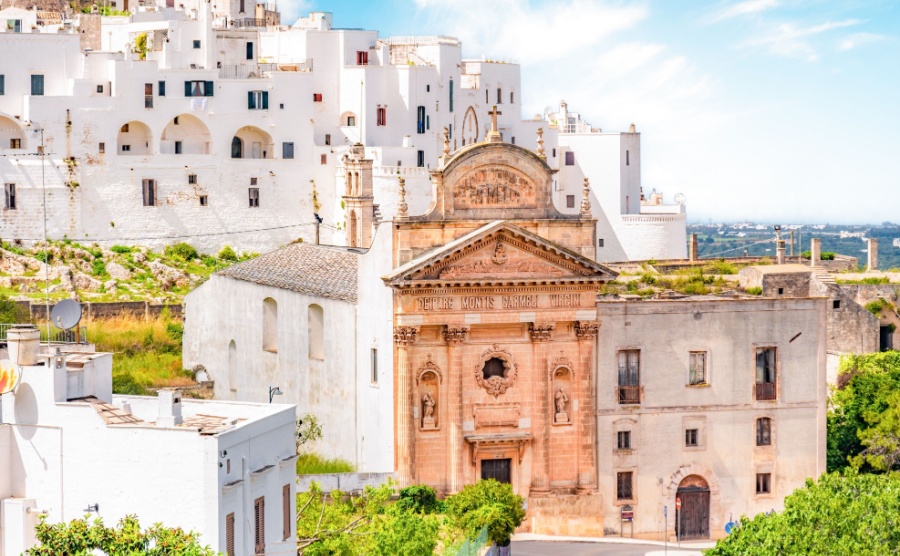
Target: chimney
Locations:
point(815, 252)
point(873, 254)
point(169, 408)
point(23, 341)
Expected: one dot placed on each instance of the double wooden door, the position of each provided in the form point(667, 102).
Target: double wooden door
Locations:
point(497, 469)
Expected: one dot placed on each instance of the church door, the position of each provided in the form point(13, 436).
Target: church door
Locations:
point(692, 521)
point(497, 469)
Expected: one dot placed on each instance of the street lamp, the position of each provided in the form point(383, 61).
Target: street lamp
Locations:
point(274, 391)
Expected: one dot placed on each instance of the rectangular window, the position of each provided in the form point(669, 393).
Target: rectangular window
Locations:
point(486, 96)
point(287, 150)
point(629, 389)
point(499, 96)
point(381, 116)
point(249, 50)
point(196, 43)
point(327, 138)
point(427, 88)
point(623, 440)
point(126, 148)
point(351, 121)
point(148, 95)
point(836, 304)
point(763, 431)
point(2, 84)
point(178, 147)
point(253, 181)
point(253, 194)
point(428, 123)
point(37, 85)
point(451, 95)
point(420, 159)
point(362, 58)
point(317, 97)
point(102, 148)
point(450, 131)
point(570, 201)
point(99, 88)
point(570, 158)
point(259, 525)
point(420, 119)
point(204, 201)
point(161, 85)
point(198, 88)
point(323, 159)
point(149, 192)
point(286, 512)
point(599, 243)
point(554, 152)
point(512, 97)
point(15, 143)
point(623, 486)
point(192, 178)
point(627, 158)
point(229, 535)
point(10, 192)
point(374, 355)
point(698, 367)
point(176, 121)
point(258, 100)
point(691, 437)
point(765, 373)
point(763, 483)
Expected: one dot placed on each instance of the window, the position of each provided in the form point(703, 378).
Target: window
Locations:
point(229, 535)
point(428, 123)
point(37, 85)
point(196, 43)
point(126, 148)
point(599, 243)
point(420, 119)
point(176, 121)
point(237, 148)
point(554, 152)
point(764, 431)
point(427, 88)
point(232, 366)
point(362, 58)
point(692, 437)
point(351, 121)
point(15, 143)
point(287, 150)
point(258, 100)
point(623, 440)
point(10, 193)
point(178, 147)
point(499, 95)
point(780, 291)
point(512, 140)
point(161, 85)
point(259, 528)
point(570, 158)
point(763, 483)
point(102, 148)
point(381, 115)
point(627, 158)
point(316, 317)
point(836, 304)
point(249, 50)
point(2, 84)
point(512, 97)
point(192, 178)
point(697, 367)
point(254, 181)
point(327, 138)
point(286, 512)
point(198, 88)
point(148, 95)
point(623, 486)
point(149, 192)
point(270, 325)
point(281, 106)
point(451, 95)
point(204, 200)
point(486, 97)
point(124, 128)
point(493, 367)
point(253, 195)
point(450, 131)
point(629, 376)
point(570, 201)
point(99, 88)
point(323, 159)
point(765, 373)
point(317, 97)
point(420, 159)
point(374, 366)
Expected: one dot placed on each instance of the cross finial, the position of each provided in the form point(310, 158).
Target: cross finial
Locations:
point(494, 113)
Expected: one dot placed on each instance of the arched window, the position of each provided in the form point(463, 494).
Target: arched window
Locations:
point(270, 325)
point(237, 148)
point(316, 338)
point(764, 431)
point(493, 367)
point(232, 366)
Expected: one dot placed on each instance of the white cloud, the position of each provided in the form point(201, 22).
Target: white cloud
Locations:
point(293, 9)
point(792, 41)
point(748, 7)
point(855, 40)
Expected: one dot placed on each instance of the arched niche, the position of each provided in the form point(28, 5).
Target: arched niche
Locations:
point(252, 142)
point(12, 136)
point(316, 337)
point(562, 390)
point(470, 127)
point(185, 134)
point(428, 395)
point(270, 325)
point(135, 138)
point(232, 366)
point(348, 119)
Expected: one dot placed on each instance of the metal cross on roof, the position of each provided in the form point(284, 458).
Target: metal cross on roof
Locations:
point(493, 114)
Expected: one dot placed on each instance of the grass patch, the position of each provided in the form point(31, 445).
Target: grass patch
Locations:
point(756, 290)
point(870, 281)
point(314, 464)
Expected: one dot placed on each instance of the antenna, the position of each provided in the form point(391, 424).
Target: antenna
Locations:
point(66, 314)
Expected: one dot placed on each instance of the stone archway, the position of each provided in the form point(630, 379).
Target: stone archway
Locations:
point(697, 485)
point(692, 519)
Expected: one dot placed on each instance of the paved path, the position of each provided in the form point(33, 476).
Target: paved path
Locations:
point(552, 548)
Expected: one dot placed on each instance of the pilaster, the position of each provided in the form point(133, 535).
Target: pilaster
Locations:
point(454, 336)
point(540, 483)
point(586, 332)
point(404, 419)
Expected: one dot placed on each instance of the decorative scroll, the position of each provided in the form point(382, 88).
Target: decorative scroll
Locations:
point(496, 385)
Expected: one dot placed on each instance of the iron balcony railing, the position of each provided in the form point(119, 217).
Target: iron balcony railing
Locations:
point(765, 390)
point(56, 336)
point(629, 394)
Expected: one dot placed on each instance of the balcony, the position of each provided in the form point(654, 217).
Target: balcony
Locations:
point(765, 391)
point(629, 395)
point(256, 71)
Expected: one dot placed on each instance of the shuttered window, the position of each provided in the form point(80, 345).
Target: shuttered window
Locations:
point(37, 85)
point(286, 511)
point(229, 534)
point(198, 88)
point(149, 192)
point(259, 528)
point(258, 100)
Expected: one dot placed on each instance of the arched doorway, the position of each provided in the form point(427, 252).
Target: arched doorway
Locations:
point(185, 134)
point(251, 142)
point(692, 520)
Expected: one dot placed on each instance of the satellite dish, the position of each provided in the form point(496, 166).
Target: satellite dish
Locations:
point(9, 376)
point(66, 314)
point(679, 198)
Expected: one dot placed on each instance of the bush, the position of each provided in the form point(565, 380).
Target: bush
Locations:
point(228, 254)
point(420, 499)
point(755, 290)
point(98, 267)
point(314, 464)
point(486, 504)
point(120, 249)
point(11, 312)
point(125, 383)
point(827, 256)
point(184, 251)
point(875, 307)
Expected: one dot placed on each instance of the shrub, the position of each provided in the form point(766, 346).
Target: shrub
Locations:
point(828, 256)
point(98, 267)
point(228, 254)
point(175, 331)
point(420, 499)
point(121, 249)
point(125, 383)
point(314, 464)
point(648, 278)
point(487, 504)
point(755, 290)
point(875, 307)
point(11, 312)
point(184, 251)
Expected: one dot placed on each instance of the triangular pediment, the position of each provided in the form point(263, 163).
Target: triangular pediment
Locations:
point(500, 252)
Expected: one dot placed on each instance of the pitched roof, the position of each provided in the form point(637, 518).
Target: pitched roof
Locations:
point(323, 270)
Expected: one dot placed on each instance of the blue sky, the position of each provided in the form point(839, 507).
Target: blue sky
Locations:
point(768, 110)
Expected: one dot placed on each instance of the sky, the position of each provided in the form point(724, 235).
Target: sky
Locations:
point(782, 111)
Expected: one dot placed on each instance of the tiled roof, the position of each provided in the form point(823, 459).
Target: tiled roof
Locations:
point(322, 270)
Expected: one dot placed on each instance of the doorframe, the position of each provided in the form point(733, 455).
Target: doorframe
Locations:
point(678, 493)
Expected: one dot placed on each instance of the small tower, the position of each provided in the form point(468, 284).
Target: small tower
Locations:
point(359, 206)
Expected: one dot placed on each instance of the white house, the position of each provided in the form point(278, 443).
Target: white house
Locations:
point(68, 447)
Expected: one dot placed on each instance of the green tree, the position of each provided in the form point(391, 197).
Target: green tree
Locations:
point(488, 504)
point(849, 514)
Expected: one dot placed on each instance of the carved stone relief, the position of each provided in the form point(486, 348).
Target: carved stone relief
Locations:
point(494, 187)
point(428, 379)
point(496, 384)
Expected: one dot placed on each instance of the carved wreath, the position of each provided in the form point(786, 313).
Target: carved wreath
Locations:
point(497, 385)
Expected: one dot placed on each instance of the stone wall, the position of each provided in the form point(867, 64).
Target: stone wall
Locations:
point(99, 311)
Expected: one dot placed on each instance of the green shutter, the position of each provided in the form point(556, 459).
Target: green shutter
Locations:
point(250, 104)
point(265, 100)
point(2, 85)
point(209, 88)
point(187, 88)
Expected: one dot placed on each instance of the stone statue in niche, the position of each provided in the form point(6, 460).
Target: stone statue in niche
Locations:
point(561, 400)
point(428, 411)
point(500, 256)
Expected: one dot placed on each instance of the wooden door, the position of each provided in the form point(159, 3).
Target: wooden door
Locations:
point(497, 469)
point(692, 521)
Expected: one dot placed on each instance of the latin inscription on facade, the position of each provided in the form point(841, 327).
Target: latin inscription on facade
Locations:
point(491, 302)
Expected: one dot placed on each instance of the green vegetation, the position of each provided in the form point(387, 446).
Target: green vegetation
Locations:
point(875, 307)
point(80, 537)
point(184, 251)
point(871, 281)
point(10, 312)
point(227, 254)
point(487, 504)
point(755, 290)
point(847, 514)
point(140, 46)
point(314, 464)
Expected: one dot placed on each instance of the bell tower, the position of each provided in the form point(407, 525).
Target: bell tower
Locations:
point(359, 207)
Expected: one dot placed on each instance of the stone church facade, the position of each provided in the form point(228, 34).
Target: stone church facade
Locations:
point(495, 324)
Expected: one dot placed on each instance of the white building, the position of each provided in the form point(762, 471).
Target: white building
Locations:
point(69, 447)
point(229, 129)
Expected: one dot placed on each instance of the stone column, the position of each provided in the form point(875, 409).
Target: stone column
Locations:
point(454, 336)
point(404, 421)
point(541, 417)
point(694, 250)
point(586, 331)
point(815, 251)
point(873, 254)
